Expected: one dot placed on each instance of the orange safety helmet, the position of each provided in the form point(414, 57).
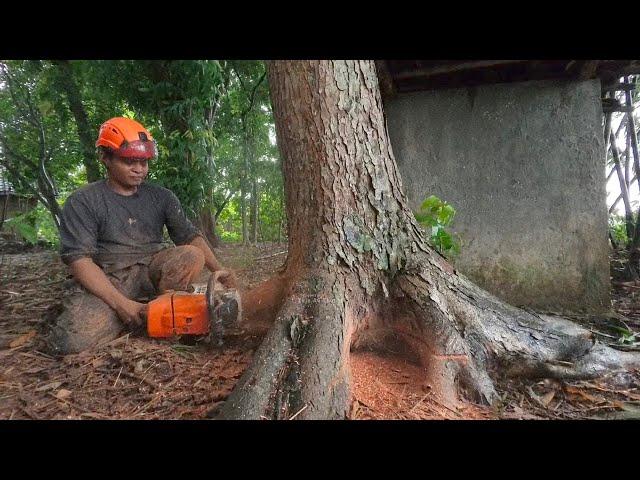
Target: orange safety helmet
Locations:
point(127, 138)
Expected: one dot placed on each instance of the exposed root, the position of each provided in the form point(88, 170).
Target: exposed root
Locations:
point(497, 339)
point(461, 337)
point(253, 396)
point(261, 303)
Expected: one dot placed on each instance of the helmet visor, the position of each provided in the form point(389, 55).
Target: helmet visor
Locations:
point(138, 149)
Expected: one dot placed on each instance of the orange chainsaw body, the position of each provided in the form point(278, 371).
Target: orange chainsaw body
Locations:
point(178, 313)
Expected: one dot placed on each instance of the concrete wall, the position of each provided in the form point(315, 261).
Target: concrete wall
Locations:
point(523, 164)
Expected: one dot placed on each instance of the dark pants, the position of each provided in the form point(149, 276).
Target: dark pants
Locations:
point(87, 321)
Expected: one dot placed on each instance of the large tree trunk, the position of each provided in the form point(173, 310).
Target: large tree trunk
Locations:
point(243, 214)
point(255, 208)
point(360, 274)
point(207, 225)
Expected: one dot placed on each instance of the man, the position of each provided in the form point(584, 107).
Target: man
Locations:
point(111, 238)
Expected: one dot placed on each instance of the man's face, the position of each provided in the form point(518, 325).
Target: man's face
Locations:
point(129, 172)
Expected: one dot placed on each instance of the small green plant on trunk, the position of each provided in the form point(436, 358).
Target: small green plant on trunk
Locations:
point(435, 215)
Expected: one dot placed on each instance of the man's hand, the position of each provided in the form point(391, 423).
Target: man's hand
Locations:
point(132, 313)
point(227, 278)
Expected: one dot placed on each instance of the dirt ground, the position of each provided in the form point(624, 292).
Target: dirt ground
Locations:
point(135, 377)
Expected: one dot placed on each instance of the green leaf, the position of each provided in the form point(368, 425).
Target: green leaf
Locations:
point(430, 203)
point(446, 214)
point(25, 229)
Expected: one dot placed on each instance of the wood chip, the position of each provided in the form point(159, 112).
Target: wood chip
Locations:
point(547, 397)
point(48, 386)
point(22, 340)
point(63, 394)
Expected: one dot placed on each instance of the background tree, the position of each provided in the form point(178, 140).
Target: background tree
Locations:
point(40, 147)
point(250, 78)
point(246, 145)
point(212, 121)
point(618, 104)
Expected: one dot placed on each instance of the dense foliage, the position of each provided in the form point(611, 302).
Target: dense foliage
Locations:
point(212, 120)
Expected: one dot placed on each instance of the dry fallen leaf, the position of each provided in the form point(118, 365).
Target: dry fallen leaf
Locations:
point(35, 370)
point(17, 307)
point(98, 362)
point(48, 386)
point(547, 397)
point(140, 364)
point(63, 394)
point(23, 339)
point(96, 416)
point(577, 391)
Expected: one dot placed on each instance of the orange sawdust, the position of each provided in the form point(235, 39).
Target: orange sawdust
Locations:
point(391, 388)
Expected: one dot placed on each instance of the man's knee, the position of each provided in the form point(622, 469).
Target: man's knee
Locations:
point(191, 255)
point(176, 268)
point(187, 262)
point(85, 323)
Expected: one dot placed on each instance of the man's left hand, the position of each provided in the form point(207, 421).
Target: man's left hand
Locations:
point(227, 278)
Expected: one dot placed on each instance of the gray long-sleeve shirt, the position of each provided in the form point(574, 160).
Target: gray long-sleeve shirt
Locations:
point(117, 231)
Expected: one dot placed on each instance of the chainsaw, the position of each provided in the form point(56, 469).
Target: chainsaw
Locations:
point(209, 313)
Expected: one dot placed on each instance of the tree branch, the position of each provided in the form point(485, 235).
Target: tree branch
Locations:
point(224, 204)
point(617, 200)
point(255, 88)
point(636, 160)
point(23, 181)
point(17, 155)
point(623, 188)
point(250, 96)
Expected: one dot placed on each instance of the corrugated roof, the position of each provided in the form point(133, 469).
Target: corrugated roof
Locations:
point(399, 76)
point(5, 185)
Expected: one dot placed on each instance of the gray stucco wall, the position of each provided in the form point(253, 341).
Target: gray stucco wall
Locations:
point(523, 164)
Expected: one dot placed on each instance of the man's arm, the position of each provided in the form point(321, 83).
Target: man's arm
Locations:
point(226, 276)
point(93, 278)
point(182, 232)
point(210, 259)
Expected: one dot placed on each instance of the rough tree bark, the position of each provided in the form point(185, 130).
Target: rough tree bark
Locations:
point(207, 221)
point(360, 274)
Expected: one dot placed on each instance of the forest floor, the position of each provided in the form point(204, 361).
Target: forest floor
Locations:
point(135, 377)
